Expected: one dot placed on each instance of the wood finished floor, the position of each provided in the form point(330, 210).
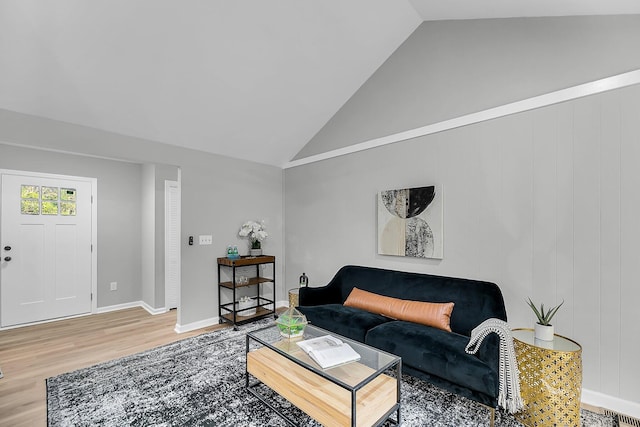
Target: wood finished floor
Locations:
point(31, 354)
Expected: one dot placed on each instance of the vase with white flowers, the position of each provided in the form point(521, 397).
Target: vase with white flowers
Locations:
point(256, 233)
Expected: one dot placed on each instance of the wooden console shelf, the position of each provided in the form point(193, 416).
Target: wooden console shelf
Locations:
point(246, 260)
point(260, 313)
point(252, 281)
point(263, 306)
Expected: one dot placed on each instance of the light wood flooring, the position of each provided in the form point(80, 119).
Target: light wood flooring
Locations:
point(31, 354)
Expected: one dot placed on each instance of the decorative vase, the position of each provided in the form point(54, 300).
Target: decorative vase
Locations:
point(255, 252)
point(543, 332)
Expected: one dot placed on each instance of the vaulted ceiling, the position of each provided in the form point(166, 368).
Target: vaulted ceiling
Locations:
point(252, 79)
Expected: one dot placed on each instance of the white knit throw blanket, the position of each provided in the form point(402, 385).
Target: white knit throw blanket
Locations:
point(509, 393)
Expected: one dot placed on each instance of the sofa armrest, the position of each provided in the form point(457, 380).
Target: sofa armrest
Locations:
point(319, 296)
point(489, 352)
point(331, 293)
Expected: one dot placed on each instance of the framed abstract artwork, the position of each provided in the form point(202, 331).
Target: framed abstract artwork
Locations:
point(410, 222)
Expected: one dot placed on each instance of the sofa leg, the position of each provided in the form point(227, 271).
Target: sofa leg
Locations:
point(492, 415)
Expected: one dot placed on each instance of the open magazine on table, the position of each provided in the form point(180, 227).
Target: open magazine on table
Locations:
point(328, 351)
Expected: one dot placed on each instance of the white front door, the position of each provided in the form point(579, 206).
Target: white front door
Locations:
point(45, 248)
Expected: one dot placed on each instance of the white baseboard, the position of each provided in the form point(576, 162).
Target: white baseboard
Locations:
point(282, 304)
point(197, 325)
point(117, 307)
point(132, 304)
point(615, 404)
point(151, 310)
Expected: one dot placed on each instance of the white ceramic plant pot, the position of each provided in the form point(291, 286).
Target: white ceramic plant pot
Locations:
point(543, 332)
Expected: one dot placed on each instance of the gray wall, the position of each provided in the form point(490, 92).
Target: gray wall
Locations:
point(446, 69)
point(544, 203)
point(218, 195)
point(119, 237)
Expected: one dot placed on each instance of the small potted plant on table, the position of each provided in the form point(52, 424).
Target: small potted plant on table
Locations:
point(543, 327)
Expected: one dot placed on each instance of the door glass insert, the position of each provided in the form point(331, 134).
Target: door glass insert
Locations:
point(49, 207)
point(68, 203)
point(47, 200)
point(30, 192)
point(30, 203)
point(68, 194)
point(68, 208)
point(49, 193)
point(30, 207)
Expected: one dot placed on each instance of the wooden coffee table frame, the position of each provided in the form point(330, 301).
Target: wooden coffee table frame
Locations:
point(323, 396)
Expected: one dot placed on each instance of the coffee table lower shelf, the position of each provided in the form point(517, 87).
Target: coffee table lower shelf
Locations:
point(324, 400)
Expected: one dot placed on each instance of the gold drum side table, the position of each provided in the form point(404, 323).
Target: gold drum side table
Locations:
point(550, 379)
point(293, 297)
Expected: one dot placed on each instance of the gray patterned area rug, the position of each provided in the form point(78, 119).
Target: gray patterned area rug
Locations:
point(199, 381)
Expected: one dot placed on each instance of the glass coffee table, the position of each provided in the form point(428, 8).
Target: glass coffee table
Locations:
point(362, 393)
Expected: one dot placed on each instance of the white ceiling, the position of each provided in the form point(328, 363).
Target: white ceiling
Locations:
point(252, 79)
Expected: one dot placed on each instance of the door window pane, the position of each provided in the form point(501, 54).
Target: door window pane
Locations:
point(49, 193)
point(49, 207)
point(68, 194)
point(68, 208)
point(30, 207)
point(30, 192)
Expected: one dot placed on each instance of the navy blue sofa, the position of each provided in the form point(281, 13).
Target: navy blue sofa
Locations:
point(431, 354)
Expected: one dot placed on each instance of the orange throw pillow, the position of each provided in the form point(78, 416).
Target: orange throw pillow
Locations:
point(426, 313)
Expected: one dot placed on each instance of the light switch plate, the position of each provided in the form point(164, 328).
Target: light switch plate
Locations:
point(205, 239)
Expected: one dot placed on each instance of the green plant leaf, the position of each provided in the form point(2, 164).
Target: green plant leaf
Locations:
point(544, 318)
point(535, 310)
point(553, 312)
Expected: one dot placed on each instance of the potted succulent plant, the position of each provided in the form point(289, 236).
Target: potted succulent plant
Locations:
point(543, 327)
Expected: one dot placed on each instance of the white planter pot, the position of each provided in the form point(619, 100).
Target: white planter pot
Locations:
point(543, 332)
point(255, 252)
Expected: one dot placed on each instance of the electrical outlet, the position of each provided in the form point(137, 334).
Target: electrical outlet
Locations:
point(114, 286)
point(205, 240)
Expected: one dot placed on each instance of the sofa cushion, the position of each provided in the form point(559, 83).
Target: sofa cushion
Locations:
point(346, 321)
point(436, 352)
point(425, 313)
